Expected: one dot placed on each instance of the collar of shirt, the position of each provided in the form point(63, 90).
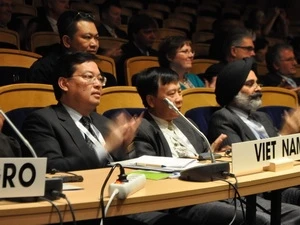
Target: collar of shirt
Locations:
point(163, 124)
point(257, 128)
point(289, 80)
point(239, 112)
point(143, 51)
point(110, 30)
point(76, 116)
point(53, 24)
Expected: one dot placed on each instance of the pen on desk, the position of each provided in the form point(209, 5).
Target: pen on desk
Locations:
point(149, 165)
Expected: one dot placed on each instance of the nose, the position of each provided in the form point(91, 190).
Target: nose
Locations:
point(258, 87)
point(178, 98)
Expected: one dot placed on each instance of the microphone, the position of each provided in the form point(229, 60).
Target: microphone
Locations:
point(23, 139)
point(206, 172)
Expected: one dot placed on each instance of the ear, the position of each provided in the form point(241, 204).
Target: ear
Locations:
point(169, 57)
point(63, 83)
point(66, 41)
point(276, 67)
point(150, 100)
point(233, 51)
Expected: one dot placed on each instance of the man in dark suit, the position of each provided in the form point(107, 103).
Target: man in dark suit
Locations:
point(240, 121)
point(55, 131)
point(155, 137)
point(46, 20)
point(281, 64)
point(241, 100)
point(78, 32)
point(141, 34)
point(111, 20)
point(60, 133)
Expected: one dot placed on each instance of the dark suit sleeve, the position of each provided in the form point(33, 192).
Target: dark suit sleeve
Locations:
point(146, 142)
point(9, 146)
point(224, 123)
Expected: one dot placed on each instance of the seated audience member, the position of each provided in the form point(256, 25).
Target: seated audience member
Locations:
point(239, 95)
point(281, 64)
point(238, 44)
point(78, 32)
point(275, 23)
point(176, 53)
point(8, 22)
point(111, 20)
point(109, 27)
point(74, 137)
point(221, 27)
point(163, 133)
point(46, 20)
point(141, 34)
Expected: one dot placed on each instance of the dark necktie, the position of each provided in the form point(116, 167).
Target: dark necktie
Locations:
point(86, 122)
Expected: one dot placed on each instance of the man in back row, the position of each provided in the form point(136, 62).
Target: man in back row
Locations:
point(78, 32)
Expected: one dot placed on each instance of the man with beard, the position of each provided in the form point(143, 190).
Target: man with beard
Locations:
point(163, 133)
point(239, 118)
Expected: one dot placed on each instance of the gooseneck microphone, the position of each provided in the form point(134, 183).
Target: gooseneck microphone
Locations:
point(23, 139)
point(206, 172)
point(173, 107)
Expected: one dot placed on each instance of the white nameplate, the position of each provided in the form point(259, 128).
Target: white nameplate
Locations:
point(22, 177)
point(252, 156)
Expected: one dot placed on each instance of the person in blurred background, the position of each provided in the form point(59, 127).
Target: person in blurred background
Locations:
point(141, 34)
point(7, 21)
point(176, 53)
point(46, 20)
point(111, 20)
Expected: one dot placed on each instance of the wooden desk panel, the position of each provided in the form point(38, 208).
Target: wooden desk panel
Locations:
point(156, 195)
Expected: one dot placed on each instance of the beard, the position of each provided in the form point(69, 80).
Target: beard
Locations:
point(247, 103)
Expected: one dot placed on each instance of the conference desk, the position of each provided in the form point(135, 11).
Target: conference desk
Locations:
point(156, 195)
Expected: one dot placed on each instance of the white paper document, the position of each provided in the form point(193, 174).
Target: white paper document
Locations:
point(158, 163)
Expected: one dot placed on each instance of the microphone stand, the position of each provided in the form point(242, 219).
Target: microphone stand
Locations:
point(207, 172)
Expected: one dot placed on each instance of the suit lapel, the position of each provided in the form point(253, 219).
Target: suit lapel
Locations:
point(244, 128)
point(165, 148)
point(68, 124)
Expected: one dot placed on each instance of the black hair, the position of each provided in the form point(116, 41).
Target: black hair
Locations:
point(67, 22)
point(149, 80)
point(235, 38)
point(107, 4)
point(168, 48)
point(138, 22)
point(65, 67)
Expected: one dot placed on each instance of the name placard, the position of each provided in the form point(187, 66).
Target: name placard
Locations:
point(252, 156)
point(22, 177)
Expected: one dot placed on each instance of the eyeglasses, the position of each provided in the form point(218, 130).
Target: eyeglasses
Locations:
point(289, 59)
point(91, 79)
point(81, 15)
point(247, 48)
point(252, 83)
point(187, 51)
